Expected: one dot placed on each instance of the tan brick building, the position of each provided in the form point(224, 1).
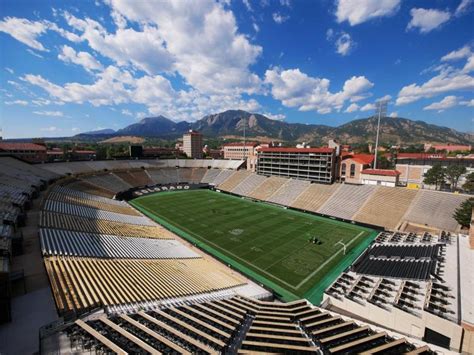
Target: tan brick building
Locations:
point(239, 150)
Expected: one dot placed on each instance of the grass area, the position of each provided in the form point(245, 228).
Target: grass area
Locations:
point(269, 243)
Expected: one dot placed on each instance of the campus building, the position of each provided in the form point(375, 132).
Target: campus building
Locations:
point(31, 152)
point(413, 167)
point(192, 144)
point(352, 165)
point(314, 164)
point(239, 150)
point(380, 177)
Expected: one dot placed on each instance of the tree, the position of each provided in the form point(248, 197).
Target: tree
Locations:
point(453, 173)
point(435, 176)
point(384, 163)
point(463, 213)
point(469, 184)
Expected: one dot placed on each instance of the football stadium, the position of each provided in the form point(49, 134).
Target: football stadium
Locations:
point(291, 252)
point(204, 256)
point(236, 177)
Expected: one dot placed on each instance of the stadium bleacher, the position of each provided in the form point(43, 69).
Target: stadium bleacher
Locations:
point(79, 284)
point(267, 188)
point(235, 325)
point(210, 176)
point(197, 175)
point(386, 207)
point(435, 209)
point(230, 183)
point(108, 181)
point(134, 177)
point(94, 213)
point(60, 242)
point(88, 201)
point(160, 295)
point(102, 226)
point(346, 201)
point(88, 188)
point(224, 175)
point(248, 184)
point(289, 192)
point(314, 197)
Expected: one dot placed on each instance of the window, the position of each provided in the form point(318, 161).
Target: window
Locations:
point(343, 169)
point(353, 170)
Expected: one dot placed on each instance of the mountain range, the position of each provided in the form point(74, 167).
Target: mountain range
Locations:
point(231, 124)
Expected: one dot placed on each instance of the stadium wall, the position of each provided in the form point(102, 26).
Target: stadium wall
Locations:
point(398, 320)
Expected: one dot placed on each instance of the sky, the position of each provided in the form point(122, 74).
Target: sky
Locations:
point(73, 66)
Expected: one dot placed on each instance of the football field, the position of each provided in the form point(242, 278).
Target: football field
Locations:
point(294, 253)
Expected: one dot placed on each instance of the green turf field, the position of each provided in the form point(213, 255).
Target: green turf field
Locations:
point(268, 243)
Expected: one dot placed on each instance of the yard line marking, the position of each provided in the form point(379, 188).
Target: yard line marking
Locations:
point(327, 261)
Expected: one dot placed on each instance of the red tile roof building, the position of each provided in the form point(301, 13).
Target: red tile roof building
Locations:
point(314, 164)
point(352, 165)
point(382, 177)
point(448, 147)
point(381, 172)
point(34, 153)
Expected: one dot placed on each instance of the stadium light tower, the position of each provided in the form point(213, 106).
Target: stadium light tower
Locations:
point(245, 124)
point(343, 246)
point(380, 111)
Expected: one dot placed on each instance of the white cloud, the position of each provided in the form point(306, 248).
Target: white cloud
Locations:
point(368, 107)
point(352, 108)
point(24, 31)
point(255, 27)
point(447, 102)
point(202, 40)
point(126, 112)
point(247, 5)
point(285, 3)
point(344, 44)
point(144, 50)
point(275, 117)
point(74, 129)
point(463, 7)
point(49, 113)
point(446, 81)
point(45, 102)
point(279, 18)
point(32, 52)
point(394, 114)
point(469, 103)
point(329, 34)
point(50, 129)
point(108, 89)
point(27, 31)
point(469, 64)
point(296, 89)
point(140, 115)
point(427, 20)
point(357, 12)
point(461, 53)
point(10, 70)
point(384, 98)
point(115, 86)
point(342, 41)
point(17, 102)
point(84, 59)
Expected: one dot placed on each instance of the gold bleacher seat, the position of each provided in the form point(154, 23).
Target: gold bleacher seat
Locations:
point(83, 283)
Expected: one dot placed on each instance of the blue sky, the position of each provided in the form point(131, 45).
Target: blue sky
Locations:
point(73, 66)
